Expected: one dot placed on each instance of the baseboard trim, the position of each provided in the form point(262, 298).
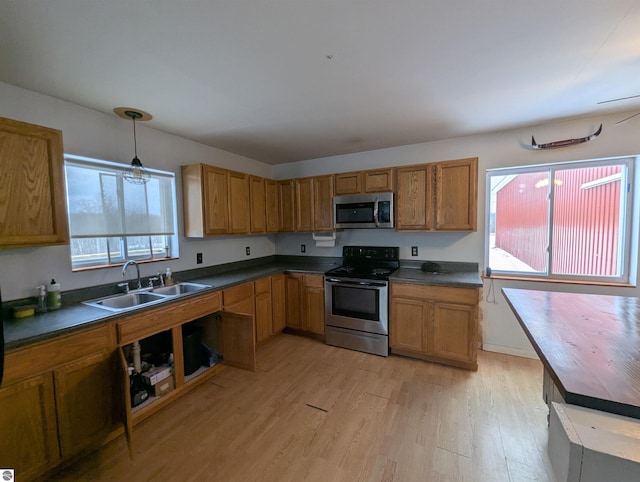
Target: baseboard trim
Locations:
point(509, 350)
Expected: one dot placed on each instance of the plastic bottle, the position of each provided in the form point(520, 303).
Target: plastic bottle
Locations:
point(42, 299)
point(168, 278)
point(54, 299)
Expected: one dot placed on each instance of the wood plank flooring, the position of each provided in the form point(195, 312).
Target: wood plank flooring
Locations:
point(312, 412)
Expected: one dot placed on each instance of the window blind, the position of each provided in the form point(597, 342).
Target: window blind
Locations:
point(103, 204)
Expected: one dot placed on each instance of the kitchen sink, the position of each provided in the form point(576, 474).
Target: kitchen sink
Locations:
point(180, 289)
point(127, 301)
point(146, 297)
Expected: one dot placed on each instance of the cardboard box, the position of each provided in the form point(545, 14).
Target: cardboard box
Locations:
point(155, 375)
point(163, 387)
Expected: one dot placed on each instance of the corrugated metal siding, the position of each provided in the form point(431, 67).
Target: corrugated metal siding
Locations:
point(586, 221)
point(521, 219)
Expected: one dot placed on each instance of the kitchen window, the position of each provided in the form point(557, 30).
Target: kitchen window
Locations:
point(567, 221)
point(111, 220)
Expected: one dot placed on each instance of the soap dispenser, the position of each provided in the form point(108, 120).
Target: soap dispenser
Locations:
point(168, 278)
point(42, 299)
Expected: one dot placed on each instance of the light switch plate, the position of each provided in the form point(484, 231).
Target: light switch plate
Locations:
point(303, 248)
point(414, 251)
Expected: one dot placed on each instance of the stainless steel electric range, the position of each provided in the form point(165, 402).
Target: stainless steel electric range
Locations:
point(357, 299)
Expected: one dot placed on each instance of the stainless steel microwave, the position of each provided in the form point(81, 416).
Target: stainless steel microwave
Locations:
point(374, 210)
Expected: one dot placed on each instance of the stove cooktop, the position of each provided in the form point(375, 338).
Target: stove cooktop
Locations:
point(367, 262)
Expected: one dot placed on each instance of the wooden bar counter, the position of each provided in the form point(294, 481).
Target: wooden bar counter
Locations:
point(589, 345)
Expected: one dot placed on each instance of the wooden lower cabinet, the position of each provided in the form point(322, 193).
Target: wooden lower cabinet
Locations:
point(293, 287)
point(85, 393)
point(313, 304)
point(278, 303)
point(305, 302)
point(58, 400)
point(435, 323)
point(29, 441)
point(263, 310)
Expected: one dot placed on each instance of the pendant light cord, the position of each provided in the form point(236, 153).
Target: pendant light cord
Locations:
point(135, 142)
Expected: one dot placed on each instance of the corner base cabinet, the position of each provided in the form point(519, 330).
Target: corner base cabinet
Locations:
point(435, 323)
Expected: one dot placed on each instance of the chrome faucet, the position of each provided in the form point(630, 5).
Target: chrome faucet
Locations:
point(124, 271)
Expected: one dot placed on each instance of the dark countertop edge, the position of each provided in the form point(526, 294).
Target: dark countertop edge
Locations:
point(580, 399)
point(92, 316)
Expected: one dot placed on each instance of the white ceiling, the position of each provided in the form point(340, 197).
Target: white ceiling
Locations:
point(287, 80)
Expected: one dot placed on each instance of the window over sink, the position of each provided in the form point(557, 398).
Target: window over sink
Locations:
point(111, 220)
point(569, 221)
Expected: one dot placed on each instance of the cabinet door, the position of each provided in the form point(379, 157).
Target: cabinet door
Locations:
point(32, 203)
point(304, 204)
point(294, 300)
point(216, 206)
point(239, 212)
point(84, 402)
point(454, 332)
point(348, 183)
point(457, 195)
point(272, 206)
point(408, 328)
point(237, 340)
point(313, 304)
point(257, 199)
point(239, 299)
point(27, 416)
point(414, 198)
point(379, 180)
point(323, 203)
point(287, 205)
point(278, 303)
point(264, 310)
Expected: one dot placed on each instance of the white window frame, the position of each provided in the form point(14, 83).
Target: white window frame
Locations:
point(170, 237)
point(628, 219)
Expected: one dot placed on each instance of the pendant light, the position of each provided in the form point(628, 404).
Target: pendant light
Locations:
point(136, 174)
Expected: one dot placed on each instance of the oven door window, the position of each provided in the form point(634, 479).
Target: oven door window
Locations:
point(356, 302)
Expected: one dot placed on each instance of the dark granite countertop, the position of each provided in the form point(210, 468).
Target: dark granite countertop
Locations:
point(589, 345)
point(76, 316)
point(459, 275)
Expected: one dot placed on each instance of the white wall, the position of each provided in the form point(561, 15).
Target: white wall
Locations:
point(98, 135)
point(500, 329)
point(104, 136)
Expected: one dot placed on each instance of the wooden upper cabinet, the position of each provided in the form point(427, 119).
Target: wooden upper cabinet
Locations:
point(32, 203)
point(348, 183)
point(375, 180)
point(205, 202)
point(272, 206)
point(258, 204)
point(286, 205)
point(304, 204)
point(414, 197)
point(378, 180)
point(456, 195)
point(323, 203)
point(239, 209)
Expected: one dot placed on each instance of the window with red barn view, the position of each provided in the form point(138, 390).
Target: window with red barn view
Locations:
point(564, 221)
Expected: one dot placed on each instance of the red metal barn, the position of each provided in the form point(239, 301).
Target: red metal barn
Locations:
point(586, 220)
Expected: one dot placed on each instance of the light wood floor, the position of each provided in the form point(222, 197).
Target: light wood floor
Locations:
point(315, 412)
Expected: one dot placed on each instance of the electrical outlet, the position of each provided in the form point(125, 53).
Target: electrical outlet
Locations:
point(198, 258)
point(248, 250)
point(414, 251)
point(303, 248)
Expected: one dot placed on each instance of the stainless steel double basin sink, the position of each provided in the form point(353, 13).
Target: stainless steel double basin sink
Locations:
point(145, 297)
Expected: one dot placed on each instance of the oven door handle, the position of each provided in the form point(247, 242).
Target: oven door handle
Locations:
point(359, 283)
